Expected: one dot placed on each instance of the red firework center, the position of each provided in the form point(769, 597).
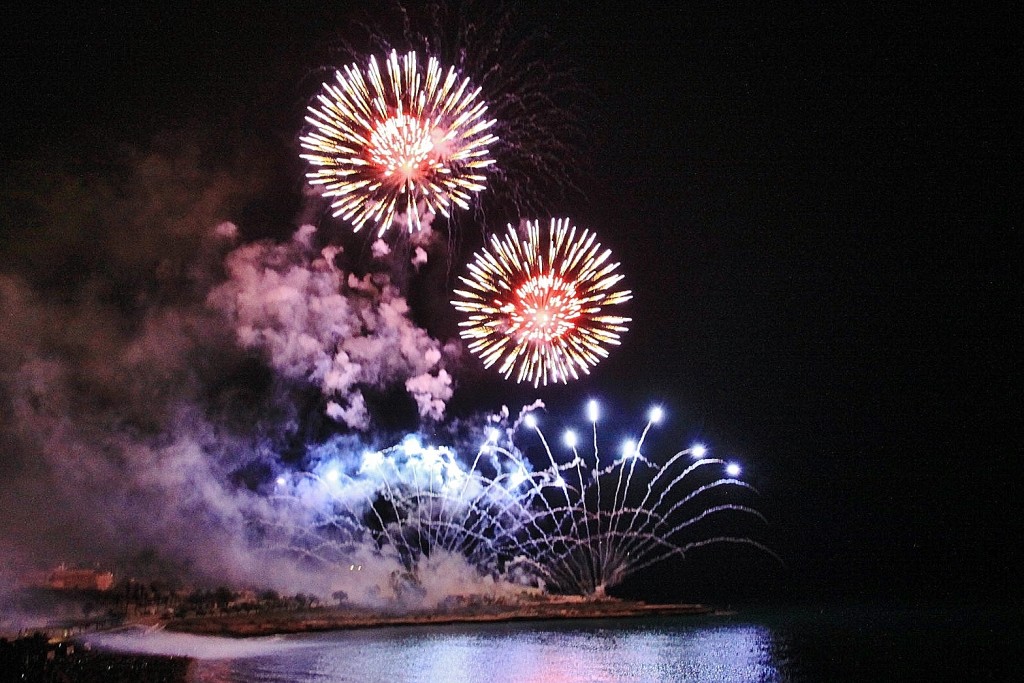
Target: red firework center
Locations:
point(545, 310)
point(537, 303)
point(405, 149)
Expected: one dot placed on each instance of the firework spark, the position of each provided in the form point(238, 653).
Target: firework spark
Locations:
point(577, 526)
point(537, 305)
point(404, 141)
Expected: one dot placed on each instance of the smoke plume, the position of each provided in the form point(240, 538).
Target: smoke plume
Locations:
point(151, 389)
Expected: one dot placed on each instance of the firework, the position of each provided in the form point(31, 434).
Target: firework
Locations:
point(538, 305)
point(579, 526)
point(543, 114)
point(402, 141)
point(601, 523)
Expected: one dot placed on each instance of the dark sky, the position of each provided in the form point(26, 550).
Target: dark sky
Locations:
point(812, 205)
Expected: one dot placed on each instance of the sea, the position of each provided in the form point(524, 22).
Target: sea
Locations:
point(778, 644)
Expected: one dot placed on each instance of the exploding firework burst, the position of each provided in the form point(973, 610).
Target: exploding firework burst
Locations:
point(574, 527)
point(598, 524)
point(543, 113)
point(538, 305)
point(398, 142)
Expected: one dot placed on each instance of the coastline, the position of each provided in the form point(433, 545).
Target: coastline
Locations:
point(347, 618)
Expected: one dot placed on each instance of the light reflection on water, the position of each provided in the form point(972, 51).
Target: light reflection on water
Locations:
point(546, 652)
point(793, 645)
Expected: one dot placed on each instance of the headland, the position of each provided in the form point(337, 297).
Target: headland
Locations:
point(334, 618)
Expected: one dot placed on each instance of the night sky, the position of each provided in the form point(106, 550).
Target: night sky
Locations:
point(812, 205)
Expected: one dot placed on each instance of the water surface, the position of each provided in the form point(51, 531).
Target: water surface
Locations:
point(834, 644)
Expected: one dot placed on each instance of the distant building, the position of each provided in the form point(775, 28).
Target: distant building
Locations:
point(66, 579)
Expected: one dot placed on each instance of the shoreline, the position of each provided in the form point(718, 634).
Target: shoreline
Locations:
point(347, 618)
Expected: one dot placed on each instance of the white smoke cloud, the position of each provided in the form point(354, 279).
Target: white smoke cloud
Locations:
point(315, 322)
point(426, 236)
point(430, 392)
point(109, 452)
point(354, 415)
point(117, 443)
point(227, 231)
point(419, 258)
point(116, 453)
point(149, 404)
point(380, 249)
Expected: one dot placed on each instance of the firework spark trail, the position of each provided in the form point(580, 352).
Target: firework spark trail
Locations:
point(538, 537)
point(508, 485)
point(537, 305)
point(591, 567)
point(408, 142)
point(389, 496)
point(522, 475)
point(565, 486)
point(593, 412)
point(619, 553)
point(633, 453)
point(557, 480)
point(512, 521)
point(348, 523)
point(509, 499)
point(485, 446)
point(666, 468)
